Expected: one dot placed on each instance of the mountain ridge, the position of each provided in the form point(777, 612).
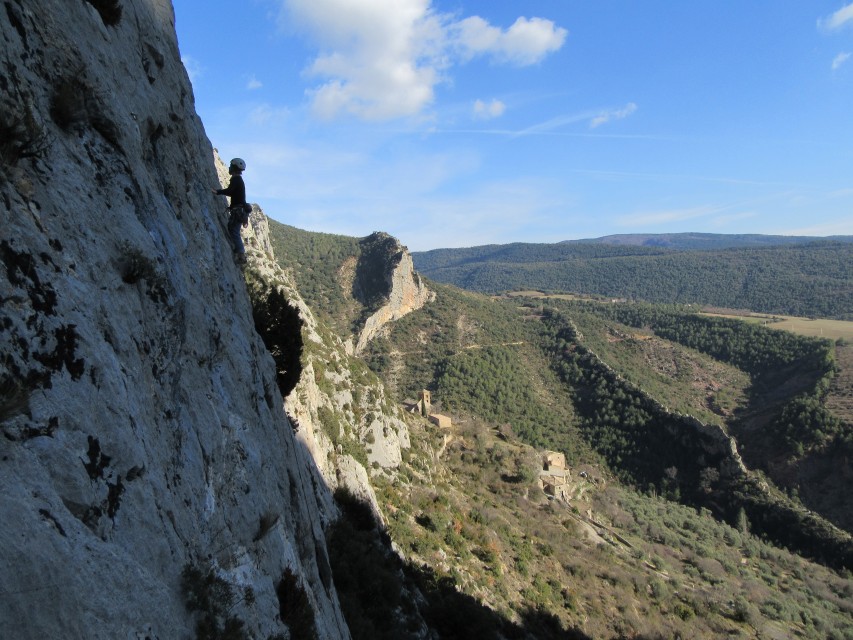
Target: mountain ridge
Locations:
point(813, 280)
point(157, 485)
point(687, 241)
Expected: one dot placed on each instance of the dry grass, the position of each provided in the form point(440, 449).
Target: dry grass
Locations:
point(817, 328)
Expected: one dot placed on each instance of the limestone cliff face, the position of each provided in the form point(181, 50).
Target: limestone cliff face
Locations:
point(400, 286)
point(344, 417)
point(141, 428)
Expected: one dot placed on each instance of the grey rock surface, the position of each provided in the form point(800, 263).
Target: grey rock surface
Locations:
point(408, 293)
point(355, 398)
point(141, 429)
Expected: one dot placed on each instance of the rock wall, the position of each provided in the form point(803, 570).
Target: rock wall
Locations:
point(141, 429)
point(407, 293)
point(344, 417)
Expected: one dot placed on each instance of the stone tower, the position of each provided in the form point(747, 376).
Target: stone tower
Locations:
point(425, 403)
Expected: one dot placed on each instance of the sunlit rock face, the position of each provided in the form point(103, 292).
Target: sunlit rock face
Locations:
point(333, 385)
point(399, 287)
point(141, 427)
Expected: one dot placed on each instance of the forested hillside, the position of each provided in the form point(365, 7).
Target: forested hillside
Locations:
point(713, 241)
point(786, 426)
point(814, 280)
point(664, 532)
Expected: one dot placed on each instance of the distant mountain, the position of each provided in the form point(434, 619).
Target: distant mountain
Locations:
point(702, 241)
point(811, 279)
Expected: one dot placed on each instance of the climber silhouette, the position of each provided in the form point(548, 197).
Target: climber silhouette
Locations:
point(238, 210)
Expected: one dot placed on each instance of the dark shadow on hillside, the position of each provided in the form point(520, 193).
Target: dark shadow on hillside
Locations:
point(650, 447)
point(385, 598)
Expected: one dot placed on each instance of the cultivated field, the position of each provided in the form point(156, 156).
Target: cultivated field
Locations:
point(819, 328)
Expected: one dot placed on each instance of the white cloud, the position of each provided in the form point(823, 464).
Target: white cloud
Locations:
point(265, 114)
point(525, 42)
point(838, 19)
point(253, 83)
point(381, 59)
point(832, 228)
point(646, 218)
point(840, 59)
point(487, 111)
point(549, 126)
point(193, 67)
point(613, 114)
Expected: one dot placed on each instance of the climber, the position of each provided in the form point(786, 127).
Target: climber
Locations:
point(238, 210)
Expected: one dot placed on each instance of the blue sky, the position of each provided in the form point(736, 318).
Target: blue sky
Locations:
point(460, 123)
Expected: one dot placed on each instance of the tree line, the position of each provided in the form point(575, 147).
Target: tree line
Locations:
point(814, 280)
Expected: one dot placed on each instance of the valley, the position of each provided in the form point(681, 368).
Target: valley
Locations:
point(669, 529)
point(329, 437)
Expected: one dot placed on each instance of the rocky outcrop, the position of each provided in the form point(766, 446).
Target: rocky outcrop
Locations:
point(344, 417)
point(141, 428)
point(404, 290)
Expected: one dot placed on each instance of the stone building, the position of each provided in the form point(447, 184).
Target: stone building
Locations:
point(424, 407)
point(443, 422)
point(424, 404)
point(554, 477)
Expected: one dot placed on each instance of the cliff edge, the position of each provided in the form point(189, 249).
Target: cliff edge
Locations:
point(386, 281)
point(142, 435)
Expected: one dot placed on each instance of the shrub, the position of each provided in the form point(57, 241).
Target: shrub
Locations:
point(75, 104)
point(367, 579)
point(266, 522)
point(212, 599)
point(68, 102)
point(134, 266)
point(743, 610)
point(14, 397)
point(21, 137)
point(280, 327)
point(294, 607)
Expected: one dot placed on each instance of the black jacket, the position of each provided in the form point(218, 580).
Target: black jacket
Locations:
point(236, 190)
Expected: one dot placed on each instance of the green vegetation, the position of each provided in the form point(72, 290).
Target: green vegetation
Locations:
point(21, 136)
point(806, 423)
point(212, 600)
point(706, 241)
point(367, 575)
point(135, 265)
point(624, 414)
point(643, 444)
point(806, 280)
point(641, 566)
point(75, 105)
point(750, 347)
point(605, 384)
point(685, 380)
point(279, 325)
point(321, 264)
point(294, 607)
point(805, 365)
point(493, 384)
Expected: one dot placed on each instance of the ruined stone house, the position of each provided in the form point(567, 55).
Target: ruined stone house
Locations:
point(424, 407)
point(554, 476)
point(441, 421)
